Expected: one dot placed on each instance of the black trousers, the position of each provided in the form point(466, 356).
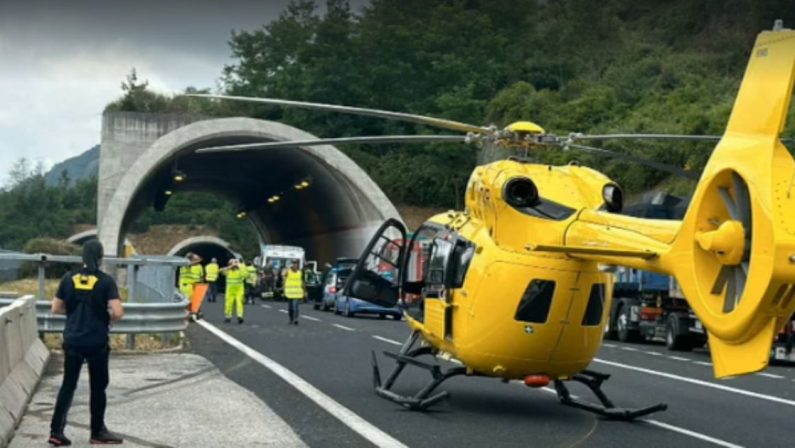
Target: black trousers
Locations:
point(97, 359)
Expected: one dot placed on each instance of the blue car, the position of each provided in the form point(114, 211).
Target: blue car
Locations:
point(349, 306)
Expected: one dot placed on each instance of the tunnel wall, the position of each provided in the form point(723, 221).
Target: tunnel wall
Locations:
point(125, 138)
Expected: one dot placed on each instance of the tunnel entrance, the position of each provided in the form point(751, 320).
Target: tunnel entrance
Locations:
point(313, 197)
point(207, 247)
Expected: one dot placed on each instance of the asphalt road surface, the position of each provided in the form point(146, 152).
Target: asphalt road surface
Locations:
point(317, 377)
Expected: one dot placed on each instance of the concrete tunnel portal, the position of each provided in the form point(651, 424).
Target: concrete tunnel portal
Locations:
point(332, 215)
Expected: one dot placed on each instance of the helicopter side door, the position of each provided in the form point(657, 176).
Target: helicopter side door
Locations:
point(376, 277)
point(449, 260)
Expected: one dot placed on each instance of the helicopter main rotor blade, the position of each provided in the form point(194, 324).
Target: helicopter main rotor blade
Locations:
point(639, 160)
point(338, 141)
point(575, 137)
point(398, 116)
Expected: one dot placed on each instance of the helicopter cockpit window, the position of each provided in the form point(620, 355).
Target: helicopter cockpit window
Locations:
point(596, 303)
point(536, 302)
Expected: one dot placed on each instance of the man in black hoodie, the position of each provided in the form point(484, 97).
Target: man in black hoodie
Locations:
point(90, 300)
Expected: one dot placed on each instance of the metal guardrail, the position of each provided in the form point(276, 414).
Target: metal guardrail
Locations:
point(138, 317)
point(154, 305)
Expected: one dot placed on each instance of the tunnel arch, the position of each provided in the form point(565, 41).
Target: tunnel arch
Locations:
point(207, 246)
point(335, 217)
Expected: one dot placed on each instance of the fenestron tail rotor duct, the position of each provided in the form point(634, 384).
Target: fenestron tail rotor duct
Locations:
point(725, 239)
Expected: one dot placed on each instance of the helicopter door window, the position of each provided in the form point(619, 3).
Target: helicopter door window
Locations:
point(536, 302)
point(596, 303)
point(462, 256)
point(435, 276)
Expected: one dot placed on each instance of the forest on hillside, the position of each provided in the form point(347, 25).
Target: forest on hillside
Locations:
point(569, 65)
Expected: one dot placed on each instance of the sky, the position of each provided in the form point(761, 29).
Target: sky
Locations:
point(62, 61)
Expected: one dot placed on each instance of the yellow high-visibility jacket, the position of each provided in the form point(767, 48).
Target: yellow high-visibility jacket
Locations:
point(294, 285)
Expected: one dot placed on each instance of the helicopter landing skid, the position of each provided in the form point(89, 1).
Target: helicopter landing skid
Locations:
point(593, 380)
point(423, 399)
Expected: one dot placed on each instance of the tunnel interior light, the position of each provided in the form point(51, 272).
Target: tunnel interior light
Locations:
point(168, 192)
point(241, 214)
point(179, 176)
point(273, 199)
point(302, 185)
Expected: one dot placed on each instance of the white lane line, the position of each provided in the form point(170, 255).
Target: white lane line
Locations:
point(629, 349)
point(699, 382)
point(771, 375)
point(703, 363)
point(609, 345)
point(283, 311)
point(266, 306)
point(653, 353)
point(343, 414)
point(679, 358)
point(343, 327)
point(388, 341)
point(311, 318)
point(690, 433)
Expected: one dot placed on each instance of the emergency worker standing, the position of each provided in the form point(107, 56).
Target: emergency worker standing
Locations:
point(294, 291)
point(90, 300)
point(235, 276)
point(211, 277)
point(251, 283)
point(190, 275)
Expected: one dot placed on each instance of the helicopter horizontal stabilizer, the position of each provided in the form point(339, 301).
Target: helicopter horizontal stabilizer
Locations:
point(585, 250)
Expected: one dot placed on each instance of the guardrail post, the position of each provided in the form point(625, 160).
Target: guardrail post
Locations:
point(42, 290)
point(132, 274)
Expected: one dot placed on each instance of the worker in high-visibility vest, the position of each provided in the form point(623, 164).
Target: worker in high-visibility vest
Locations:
point(211, 275)
point(187, 276)
point(251, 283)
point(294, 291)
point(235, 289)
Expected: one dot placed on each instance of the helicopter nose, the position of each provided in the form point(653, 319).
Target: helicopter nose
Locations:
point(537, 381)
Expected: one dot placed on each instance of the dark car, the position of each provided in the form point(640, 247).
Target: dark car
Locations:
point(333, 283)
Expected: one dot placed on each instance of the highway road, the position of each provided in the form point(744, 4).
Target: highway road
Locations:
point(317, 377)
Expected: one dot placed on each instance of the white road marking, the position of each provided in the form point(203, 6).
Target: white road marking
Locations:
point(629, 349)
point(609, 345)
point(343, 414)
point(343, 327)
point(388, 341)
point(266, 306)
point(311, 318)
point(703, 363)
point(693, 434)
point(283, 311)
point(679, 358)
point(653, 353)
point(771, 375)
point(699, 382)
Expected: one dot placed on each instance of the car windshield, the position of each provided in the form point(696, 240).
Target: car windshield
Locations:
point(343, 274)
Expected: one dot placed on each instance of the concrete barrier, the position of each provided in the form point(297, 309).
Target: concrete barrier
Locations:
point(22, 360)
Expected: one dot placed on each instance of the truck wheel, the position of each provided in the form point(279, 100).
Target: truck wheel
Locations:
point(625, 334)
point(674, 340)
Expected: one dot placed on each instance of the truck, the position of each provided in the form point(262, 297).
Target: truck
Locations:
point(649, 306)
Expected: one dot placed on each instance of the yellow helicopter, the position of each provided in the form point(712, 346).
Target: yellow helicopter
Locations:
point(516, 286)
